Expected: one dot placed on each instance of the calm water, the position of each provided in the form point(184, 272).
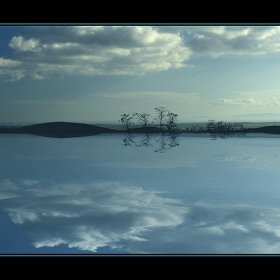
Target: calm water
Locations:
point(113, 194)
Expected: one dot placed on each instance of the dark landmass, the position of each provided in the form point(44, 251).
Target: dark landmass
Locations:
point(148, 129)
point(68, 129)
point(265, 129)
point(58, 129)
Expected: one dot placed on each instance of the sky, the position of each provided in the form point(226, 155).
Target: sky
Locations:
point(94, 74)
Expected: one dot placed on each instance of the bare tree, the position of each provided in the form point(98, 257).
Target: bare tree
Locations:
point(143, 118)
point(161, 114)
point(171, 118)
point(126, 121)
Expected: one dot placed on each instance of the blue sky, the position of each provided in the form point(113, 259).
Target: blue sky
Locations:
point(94, 74)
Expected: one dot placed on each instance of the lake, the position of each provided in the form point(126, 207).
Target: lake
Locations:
point(140, 194)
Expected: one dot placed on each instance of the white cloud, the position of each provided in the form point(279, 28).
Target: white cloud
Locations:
point(130, 50)
point(244, 101)
point(237, 158)
point(93, 50)
point(8, 63)
point(6, 195)
point(11, 69)
point(272, 101)
point(268, 227)
point(220, 229)
point(20, 44)
point(234, 40)
point(38, 77)
point(247, 101)
point(21, 215)
point(30, 182)
point(235, 226)
point(49, 243)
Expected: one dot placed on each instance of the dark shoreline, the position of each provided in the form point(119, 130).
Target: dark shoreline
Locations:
point(69, 129)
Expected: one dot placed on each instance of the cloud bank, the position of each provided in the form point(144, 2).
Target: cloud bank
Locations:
point(94, 50)
point(43, 51)
point(232, 40)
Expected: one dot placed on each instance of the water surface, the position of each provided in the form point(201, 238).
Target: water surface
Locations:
point(113, 194)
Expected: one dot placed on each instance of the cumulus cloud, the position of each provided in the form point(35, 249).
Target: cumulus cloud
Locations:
point(223, 40)
point(20, 44)
point(20, 216)
point(96, 50)
point(41, 51)
point(11, 68)
point(247, 101)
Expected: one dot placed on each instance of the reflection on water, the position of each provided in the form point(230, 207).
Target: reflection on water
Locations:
point(215, 136)
point(161, 142)
point(90, 215)
point(94, 195)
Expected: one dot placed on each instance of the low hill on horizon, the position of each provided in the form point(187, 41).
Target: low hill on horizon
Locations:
point(62, 129)
point(265, 129)
point(69, 129)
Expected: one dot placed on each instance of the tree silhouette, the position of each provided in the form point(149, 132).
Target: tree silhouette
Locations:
point(164, 117)
point(161, 114)
point(171, 121)
point(211, 125)
point(126, 121)
point(143, 118)
point(223, 127)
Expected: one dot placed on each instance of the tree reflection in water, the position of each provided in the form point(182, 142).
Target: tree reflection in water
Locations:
point(128, 140)
point(163, 141)
point(214, 136)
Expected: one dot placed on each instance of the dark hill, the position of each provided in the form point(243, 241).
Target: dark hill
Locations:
point(63, 129)
point(68, 129)
point(265, 129)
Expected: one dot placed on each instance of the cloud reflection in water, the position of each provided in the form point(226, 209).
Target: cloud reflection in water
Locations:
point(88, 216)
point(93, 215)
